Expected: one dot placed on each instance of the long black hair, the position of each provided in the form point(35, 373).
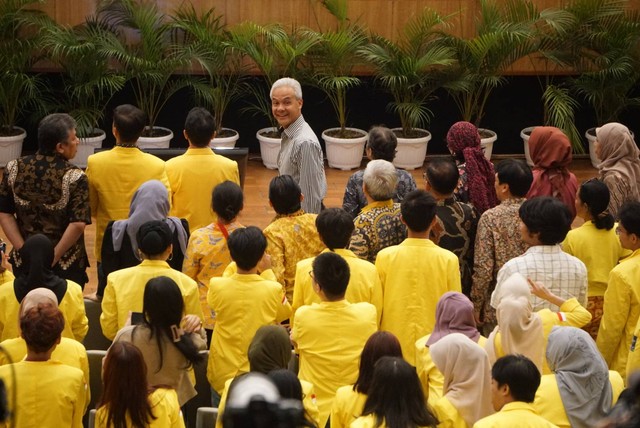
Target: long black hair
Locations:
point(595, 195)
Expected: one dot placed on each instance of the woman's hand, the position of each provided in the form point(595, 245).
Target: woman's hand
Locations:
point(191, 323)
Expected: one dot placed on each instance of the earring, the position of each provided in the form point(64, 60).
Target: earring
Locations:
point(170, 257)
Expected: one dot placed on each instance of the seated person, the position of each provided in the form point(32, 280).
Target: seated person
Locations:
point(236, 320)
point(119, 247)
point(59, 390)
point(326, 362)
point(378, 225)
point(125, 287)
point(37, 256)
point(335, 228)
point(514, 382)
point(381, 144)
point(292, 234)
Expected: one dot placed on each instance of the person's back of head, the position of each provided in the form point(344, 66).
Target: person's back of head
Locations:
point(418, 209)
point(285, 194)
point(247, 246)
point(383, 143)
point(595, 195)
point(331, 274)
point(335, 227)
point(129, 121)
point(442, 175)
point(41, 327)
point(53, 129)
point(547, 217)
point(395, 397)
point(154, 238)
point(227, 200)
point(629, 215)
point(380, 179)
point(517, 175)
point(270, 349)
point(199, 127)
point(516, 378)
point(380, 344)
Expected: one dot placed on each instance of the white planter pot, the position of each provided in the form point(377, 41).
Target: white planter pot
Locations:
point(345, 153)
point(411, 152)
point(269, 148)
point(487, 143)
point(156, 142)
point(87, 146)
point(525, 134)
point(225, 142)
point(11, 147)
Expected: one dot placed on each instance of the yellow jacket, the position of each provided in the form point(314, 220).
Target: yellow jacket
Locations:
point(125, 290)
point(329, 337)
point(114, 176)
point(243, 304)
point(165, 408)
point(193, 176)
point(346, 407)
point(364, 283)
point(447, 415)
point(515, 414)
point(76, 324)
point(620, 313)
point(414, 275)
point(50, 394)
point(548, 402)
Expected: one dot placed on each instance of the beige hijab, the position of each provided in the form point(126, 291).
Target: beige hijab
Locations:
point(514, 286)
point(37, 296)
point(520, 331)
point(619, 154)
point(467, 375)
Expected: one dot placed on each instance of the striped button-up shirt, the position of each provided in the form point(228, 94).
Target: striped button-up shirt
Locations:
point(301, 157)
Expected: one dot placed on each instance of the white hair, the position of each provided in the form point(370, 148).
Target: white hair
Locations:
point(380, 179)
point(291, 83)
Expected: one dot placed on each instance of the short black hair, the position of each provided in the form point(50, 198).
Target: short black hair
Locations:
point(517, 174)
point(200, 126)
point(227, 200)
point(418, 210)
point(154, 237)
point(130, 121)
point(547, 216)
point(519, 372)
point(284, 194)
point(247, 246)
point(383, 143)
point(629, 216)
point(443, 175)
point(335, 227)
point(53, 129)
point(332, 274)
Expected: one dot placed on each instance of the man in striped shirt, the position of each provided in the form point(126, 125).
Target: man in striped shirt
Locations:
point(300, 152)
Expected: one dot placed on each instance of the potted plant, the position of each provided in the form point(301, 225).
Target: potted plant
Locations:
point(411, 70)
point(20, 90)
point(89, 81)
point(143, 43)
point(502, 36)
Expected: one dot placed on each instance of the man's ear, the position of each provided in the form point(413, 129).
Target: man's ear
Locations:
point(301, 197)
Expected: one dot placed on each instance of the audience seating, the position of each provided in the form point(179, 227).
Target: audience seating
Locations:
point(94, 338)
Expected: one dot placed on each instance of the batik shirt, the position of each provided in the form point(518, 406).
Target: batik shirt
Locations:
point(377, 226)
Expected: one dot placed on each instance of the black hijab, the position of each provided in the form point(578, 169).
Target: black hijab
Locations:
point(37, 257)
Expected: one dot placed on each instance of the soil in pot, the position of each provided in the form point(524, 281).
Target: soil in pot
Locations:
point(414, 133)
point(10, 132)
point(271, 134)
point(226, 133)
point(346, 134)
point(155, 132)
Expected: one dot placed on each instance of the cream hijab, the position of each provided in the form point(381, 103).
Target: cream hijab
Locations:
point(514, 286)
point(619, 154)
point(37, 296)
point(467, 375)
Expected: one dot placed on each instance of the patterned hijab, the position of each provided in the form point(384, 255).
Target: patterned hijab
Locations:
point(463, 141)
point(551, 154)
point(150, 202)
point(619, 154)
point(37, 257)
point(270, 349)
point(582, 375)
point(467, 376)
point(454, 314)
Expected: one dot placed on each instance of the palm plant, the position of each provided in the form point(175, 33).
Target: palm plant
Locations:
point(143, 42)
point(412, 68)
point(20, 35)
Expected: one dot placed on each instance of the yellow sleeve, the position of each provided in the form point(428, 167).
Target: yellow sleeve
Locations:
point(376, 296)
point(299, 287)
point(276, 250)
point(576, 315)
point(284, 308)
point(93, 191)
point(309, 402)
point(191, 263)
point(81, 404)
point(192, 302)
point(455, 283)
point(617, 303)
point(80, 323)
point(223, 402)
point(84, 366)
point(566, 245)
point(165, 180)
point(338, 416)
point(109, 315)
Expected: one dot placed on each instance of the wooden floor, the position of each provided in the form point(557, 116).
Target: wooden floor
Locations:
point(258, 212)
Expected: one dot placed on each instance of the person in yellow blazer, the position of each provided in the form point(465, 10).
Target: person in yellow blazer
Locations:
point(243, 302)
point(115, 175)
point(414, 275)
point(37, 257)
point(125, 287)
point(195, 174)
point(622, 298)
point(581, 389)
point(514, 381)
point(330, 335)
point(47, 393)
point(335, 227)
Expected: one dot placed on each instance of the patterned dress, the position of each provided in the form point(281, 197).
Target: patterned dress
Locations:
point(377, 226)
